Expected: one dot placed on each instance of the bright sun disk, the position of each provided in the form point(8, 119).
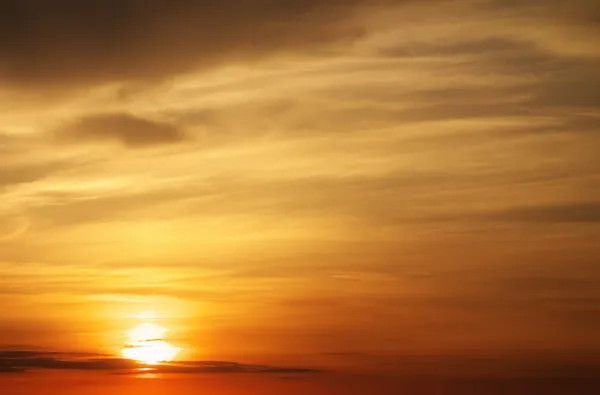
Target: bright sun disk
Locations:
point(146, 344)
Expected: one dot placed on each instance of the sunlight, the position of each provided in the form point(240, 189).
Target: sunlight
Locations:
point(146, 344)
point(146, 315)
point(146, 332)
point(154, 352)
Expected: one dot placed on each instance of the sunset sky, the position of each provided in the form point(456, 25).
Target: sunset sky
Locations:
point(333, 184)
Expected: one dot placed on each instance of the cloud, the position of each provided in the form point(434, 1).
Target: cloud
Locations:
point(559, 213)
point(69, 42)
point(226, 367)
point(11, 175)
point(366, 277)
point(449, 146)
point(128, 129)
point(13, 361)
point(569, 28)
point(565, 27)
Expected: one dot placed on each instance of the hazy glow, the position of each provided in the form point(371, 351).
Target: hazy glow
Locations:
point(152, 353)
point(146, 332)
point(145, 343)
point(146, 315)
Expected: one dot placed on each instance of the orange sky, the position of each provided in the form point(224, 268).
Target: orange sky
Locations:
point(327, 182)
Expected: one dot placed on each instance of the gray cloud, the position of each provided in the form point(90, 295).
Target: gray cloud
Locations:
point(67, 42)
point(128, 129)
point(70, 42)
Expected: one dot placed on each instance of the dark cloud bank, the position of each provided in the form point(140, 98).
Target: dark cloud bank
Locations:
point(412, 374)
point(585, 366)
point(14, 361)
point(72, 42)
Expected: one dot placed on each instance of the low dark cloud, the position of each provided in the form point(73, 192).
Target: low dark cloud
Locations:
point(72, 42)
point(128, 129)
point(13, 361)
point(225, 367)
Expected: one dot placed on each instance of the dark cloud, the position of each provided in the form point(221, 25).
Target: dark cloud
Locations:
point(560, 213)
point(541, 366)
point(128, 129)
point(226, 367)
point(13, 361)
point(70, 42)
point(10, 352)
point(570, 84)
point(48, 362)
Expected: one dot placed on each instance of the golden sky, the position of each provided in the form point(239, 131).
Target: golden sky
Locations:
point(333, 181)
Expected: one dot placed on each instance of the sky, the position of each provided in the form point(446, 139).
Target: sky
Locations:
point(334, 184)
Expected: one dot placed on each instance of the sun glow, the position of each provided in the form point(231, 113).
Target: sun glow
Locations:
point(145, 315)
point(146, 344)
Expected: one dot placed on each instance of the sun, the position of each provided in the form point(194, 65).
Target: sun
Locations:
point(154, 352)
point(146, 344)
